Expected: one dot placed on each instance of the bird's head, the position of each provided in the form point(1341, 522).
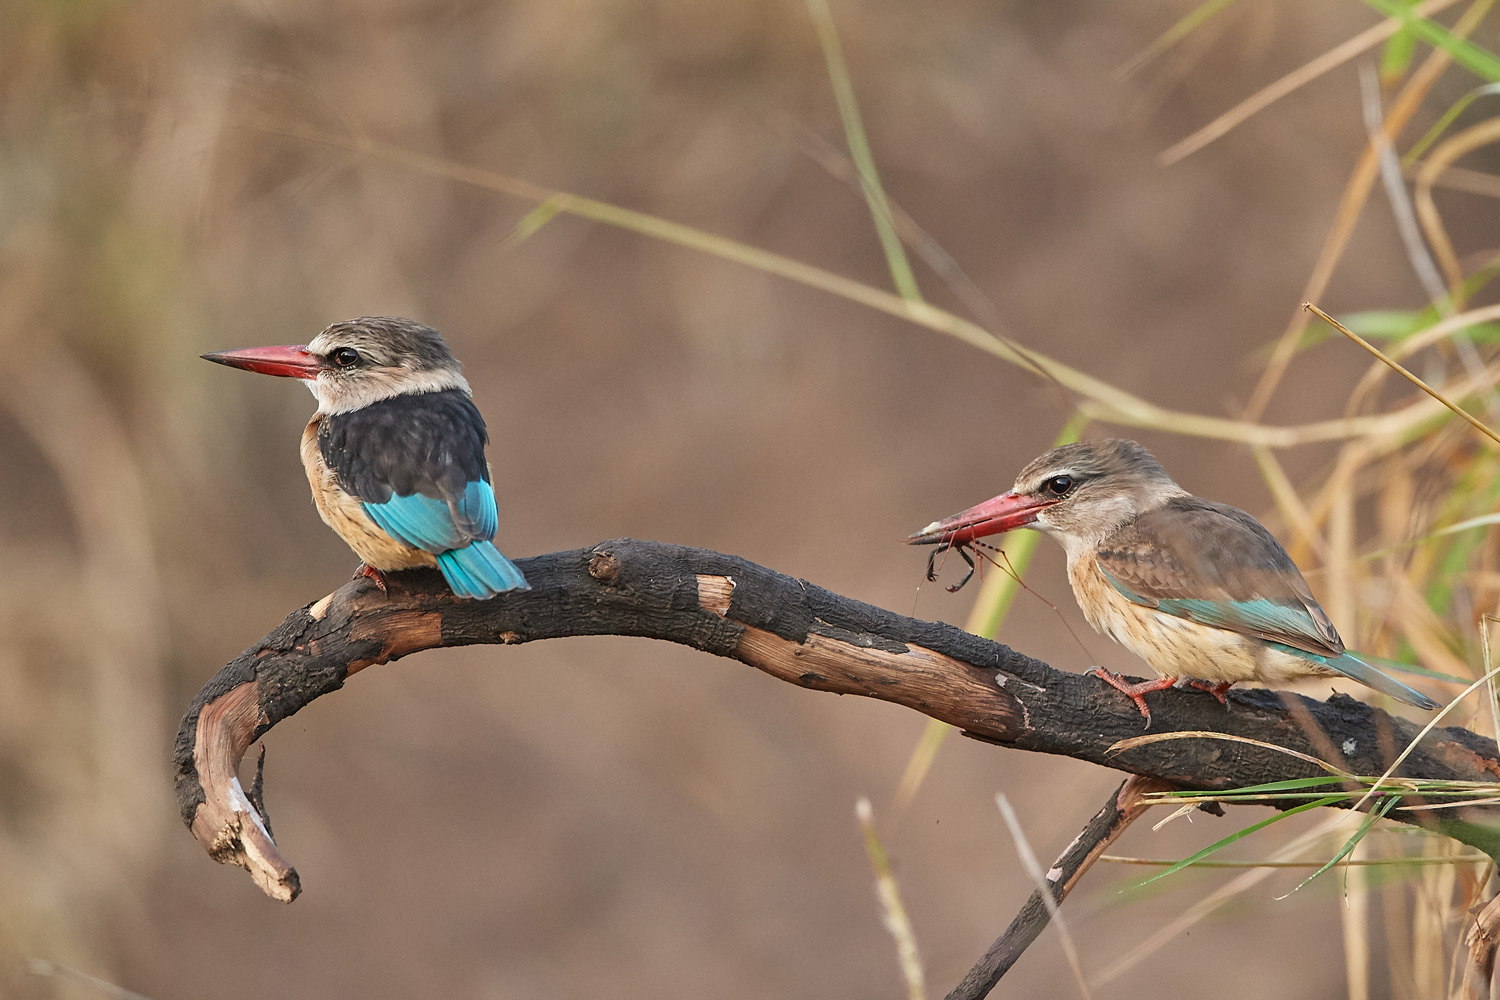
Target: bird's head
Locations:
point(1079, 493)
point(358, 362)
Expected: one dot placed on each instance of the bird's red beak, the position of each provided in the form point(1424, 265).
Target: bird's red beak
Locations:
point(289, 362)
point(1004, 512)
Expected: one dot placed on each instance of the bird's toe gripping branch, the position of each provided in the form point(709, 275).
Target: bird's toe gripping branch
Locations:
point(1135, 692)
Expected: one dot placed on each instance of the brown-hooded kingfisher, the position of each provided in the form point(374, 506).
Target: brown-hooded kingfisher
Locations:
point(395, 453)
point(1199, 590)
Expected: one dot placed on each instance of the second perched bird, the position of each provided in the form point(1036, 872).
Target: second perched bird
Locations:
point(1199, 590)
point(395, 453)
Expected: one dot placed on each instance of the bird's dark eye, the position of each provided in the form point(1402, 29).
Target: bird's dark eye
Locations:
point(344, 357)
point(1060, 486)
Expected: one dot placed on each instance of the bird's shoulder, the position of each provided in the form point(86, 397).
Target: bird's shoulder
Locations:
point(1188, 546)
point(430, 443)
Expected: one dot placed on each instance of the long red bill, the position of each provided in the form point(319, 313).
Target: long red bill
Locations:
point(289, 362)
point(1004, 512)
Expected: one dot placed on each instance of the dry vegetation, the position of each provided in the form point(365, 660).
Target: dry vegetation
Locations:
point(179, 180)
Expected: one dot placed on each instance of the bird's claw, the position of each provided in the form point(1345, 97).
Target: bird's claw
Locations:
point(1219, 690)
point(1135, 692)
point(365, 569)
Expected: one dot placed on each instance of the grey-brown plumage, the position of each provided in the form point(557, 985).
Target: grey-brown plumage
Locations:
point(1199, 590)
point(1193, 549)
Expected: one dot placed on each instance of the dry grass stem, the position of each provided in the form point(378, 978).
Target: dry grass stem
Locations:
point(1469, 385)
point(1351, 205)
point(1293, 81)
point(1440, 159)
point(1033, 868)
point(893, 910)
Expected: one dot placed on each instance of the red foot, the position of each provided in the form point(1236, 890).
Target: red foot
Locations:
point(1217, 690)
point(373, 573)
point(1135, 692)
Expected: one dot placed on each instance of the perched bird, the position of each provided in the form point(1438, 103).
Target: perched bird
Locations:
point(1199, 590)
point(395, 453)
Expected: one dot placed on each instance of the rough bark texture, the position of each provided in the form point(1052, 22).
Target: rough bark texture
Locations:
point(797, 632)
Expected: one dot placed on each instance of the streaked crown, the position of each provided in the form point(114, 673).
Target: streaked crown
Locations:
point(377, 357)
point(1096, 486)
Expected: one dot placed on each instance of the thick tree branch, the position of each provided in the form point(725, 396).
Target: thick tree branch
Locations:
point(792, 630)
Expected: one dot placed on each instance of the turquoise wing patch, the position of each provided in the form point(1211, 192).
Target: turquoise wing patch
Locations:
point(422, 522)
point(476, 510)
point(1258, 616)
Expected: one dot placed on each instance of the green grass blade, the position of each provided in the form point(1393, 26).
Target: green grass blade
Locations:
point(1395, 57)
point(1398, 324)
point(1184, 26)
point(1476, 491)
point(1402, 863)
point(859, 152)
point(533, 221)
point(1473, 522)
point(1459, 107)
point(1101, 399)
point(1241, 834)
point(1397, 53)
point(1476, 60)
point(1371, 818)
point(1288, 785)
point(934, 735)
point(1483, 836)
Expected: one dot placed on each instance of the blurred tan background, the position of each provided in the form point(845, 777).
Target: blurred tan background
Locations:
point(610, 817)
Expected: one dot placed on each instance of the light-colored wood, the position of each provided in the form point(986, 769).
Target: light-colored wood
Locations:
point(227, 823)
point(937, 685)
point(941, 686)
point(714, 593)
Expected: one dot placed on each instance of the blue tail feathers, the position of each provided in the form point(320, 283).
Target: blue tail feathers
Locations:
point(1356, 669)
point(478, 570)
